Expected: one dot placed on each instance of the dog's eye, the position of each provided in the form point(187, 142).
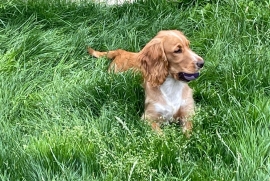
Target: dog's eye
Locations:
point(179, 50)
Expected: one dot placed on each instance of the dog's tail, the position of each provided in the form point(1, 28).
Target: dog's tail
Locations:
point(97, 54)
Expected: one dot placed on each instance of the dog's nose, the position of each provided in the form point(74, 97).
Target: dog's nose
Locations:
point(200, 64)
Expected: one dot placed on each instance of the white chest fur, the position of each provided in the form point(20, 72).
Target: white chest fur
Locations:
point(172, 91)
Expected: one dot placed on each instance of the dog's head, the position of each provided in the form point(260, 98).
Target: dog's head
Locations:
point(169, 53)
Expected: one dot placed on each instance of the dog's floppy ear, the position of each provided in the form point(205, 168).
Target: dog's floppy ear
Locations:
point(153, 61)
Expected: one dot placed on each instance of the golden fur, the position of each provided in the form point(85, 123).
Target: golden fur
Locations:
point(121, 60)
point(167, 96)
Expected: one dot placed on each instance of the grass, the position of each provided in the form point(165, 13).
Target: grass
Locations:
point(63, 117)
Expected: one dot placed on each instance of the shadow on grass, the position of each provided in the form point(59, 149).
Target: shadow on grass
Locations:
point(112, 94)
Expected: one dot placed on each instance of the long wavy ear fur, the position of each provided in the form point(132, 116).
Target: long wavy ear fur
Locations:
point(154, 64)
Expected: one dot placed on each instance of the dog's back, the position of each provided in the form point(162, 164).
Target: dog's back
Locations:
point(121, 60)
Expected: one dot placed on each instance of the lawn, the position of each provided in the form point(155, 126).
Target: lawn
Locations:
point(64, 117)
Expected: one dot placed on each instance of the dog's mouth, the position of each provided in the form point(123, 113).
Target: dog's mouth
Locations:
point(188, 77)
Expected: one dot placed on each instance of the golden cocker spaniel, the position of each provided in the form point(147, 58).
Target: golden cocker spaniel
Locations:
point(167, 65)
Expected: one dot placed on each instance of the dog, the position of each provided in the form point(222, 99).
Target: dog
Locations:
point(167, 64)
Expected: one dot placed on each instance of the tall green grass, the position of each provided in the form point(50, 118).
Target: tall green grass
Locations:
point(63, 117)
